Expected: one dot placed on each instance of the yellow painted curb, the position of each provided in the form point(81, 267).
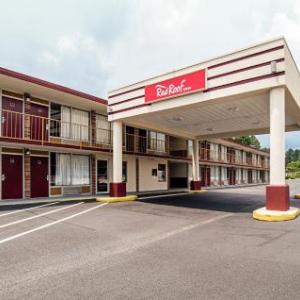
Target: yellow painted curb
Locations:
point(297, 196)
point(199, 191)
point(263, 214)
point(117, 199)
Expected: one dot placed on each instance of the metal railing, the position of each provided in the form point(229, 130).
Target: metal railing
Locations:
point(22, 126)
point(141, 144)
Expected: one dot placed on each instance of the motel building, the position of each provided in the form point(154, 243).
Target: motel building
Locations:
point(172, 132)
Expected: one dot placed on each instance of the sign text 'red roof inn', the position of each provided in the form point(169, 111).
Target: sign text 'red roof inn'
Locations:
point(184, 84)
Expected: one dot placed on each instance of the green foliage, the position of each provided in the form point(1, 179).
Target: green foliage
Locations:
point(293, 169)
point(292, 155)
point(249, 140)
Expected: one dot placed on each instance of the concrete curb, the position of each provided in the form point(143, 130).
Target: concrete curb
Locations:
point(198, 191)
point(116, 199)
point(263, 214)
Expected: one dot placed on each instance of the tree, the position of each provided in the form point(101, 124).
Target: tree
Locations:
point(292, 155)
point(249, 140)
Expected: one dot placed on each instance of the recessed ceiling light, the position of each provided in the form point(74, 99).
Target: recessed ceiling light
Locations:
point(256, 123)
point(178, 119)
point(233, 108)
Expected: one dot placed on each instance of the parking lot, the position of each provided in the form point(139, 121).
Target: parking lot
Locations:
point(196, 246)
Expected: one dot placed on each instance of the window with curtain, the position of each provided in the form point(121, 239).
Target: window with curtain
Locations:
point(103, 130)
point(62, 169)
point(80, 170)
point(80, 125)
point(65, 122)
point(74, 124)
point(161, 142)
point(157, 141)
point(67, 169)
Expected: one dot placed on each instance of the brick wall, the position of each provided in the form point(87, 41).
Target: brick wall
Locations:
point(93, 175)
point(93, 127)
point(27, 174)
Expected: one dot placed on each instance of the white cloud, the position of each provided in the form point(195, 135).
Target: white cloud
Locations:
point(100, 45)
point(49, 59)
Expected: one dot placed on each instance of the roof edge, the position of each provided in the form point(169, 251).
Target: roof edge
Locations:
point(50, 85)
point(201, 62)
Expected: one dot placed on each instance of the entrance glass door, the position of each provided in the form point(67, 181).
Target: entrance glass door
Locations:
point(102, 178)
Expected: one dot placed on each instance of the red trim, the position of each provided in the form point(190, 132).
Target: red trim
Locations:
point(129, 108)
point(244, 69)
point(30, 142)
point(127, 100)
point(278, 197)
point(51, 85)
point(122, 93)
point(227, 85)
point(195, 185)
point(209, 67)
point(117, 189)
point(257, 78)
point(245, 57)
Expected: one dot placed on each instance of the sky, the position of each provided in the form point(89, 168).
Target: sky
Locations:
point(96, 45)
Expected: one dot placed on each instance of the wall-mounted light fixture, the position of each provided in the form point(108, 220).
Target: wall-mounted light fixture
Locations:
point(273, 66)
point(27, 151)
point(27, 96)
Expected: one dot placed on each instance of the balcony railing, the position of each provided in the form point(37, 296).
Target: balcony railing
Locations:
point(21, 126)
point(229, 158)
point(141, 144)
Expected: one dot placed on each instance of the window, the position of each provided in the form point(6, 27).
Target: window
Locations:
point(154, 172)
point(55, 114)
point(161, 172)
point(67, 169)
point(124, 171)
point(102, 176)
point(157, 141)
point(80, 125)
point(80, 169)
point(69, 123)
point(103, 130)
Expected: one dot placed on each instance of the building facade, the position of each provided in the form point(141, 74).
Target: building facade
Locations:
point(57, 142)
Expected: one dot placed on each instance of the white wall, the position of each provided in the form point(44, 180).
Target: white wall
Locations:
point(147, 182)
point(131, 172)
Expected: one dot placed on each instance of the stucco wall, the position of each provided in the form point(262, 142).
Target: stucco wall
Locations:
point(147, 182)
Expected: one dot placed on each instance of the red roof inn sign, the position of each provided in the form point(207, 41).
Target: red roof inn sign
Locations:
point(177, 86)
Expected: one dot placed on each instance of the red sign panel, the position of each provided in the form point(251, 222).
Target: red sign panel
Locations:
point(184, 84)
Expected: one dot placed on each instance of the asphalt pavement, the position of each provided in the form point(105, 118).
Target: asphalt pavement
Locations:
point(197, 246)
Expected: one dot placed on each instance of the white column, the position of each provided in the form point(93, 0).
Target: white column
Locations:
point(277, 135)
point(117, 151)
point(195, 160)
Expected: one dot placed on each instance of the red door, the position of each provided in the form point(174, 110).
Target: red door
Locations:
point(12, 118)
point(38, 121)
point(12, 176)
point(39, 176)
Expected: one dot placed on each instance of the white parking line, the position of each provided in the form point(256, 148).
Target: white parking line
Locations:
point(40, 215)
point(163, 196)
point(159, 238)
point(50, 224)
point(25, 209)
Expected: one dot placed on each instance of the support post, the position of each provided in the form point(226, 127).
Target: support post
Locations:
point(195, 183)
point(117, 187)
point(277, 193)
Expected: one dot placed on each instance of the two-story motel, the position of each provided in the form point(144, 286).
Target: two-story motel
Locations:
point(169, 132)
point(252, 91)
